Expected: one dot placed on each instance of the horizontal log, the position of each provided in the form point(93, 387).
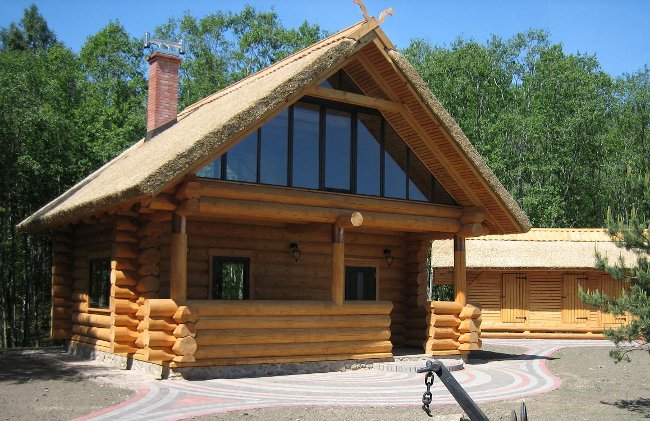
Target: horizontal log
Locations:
point(152, 354)
point(282, 336)
point(101, 333)
point(188, 190)
point(123, 334)
point(551, 328)
point(106, 345)
point(299, 349)
point(123, 292)
point(149, 269)
point(148, 284)
point(184, 314)
point(147, 256)
point(469, 325)
point(446, 307)
point(163, 324)
point(127, 320)
point(61, 280)
point(440, 344)
point(279, 360)
point(184, 359)
point(442, 333)
point(126, 237)
point(185, 346)
point(125, 224)
point(287, 308)
point(282, 195)
point(163, 201)
point(125, 251)
point(300, 213)
point(469, 337)
point(94, 320)
point(122, 306)
point(61, 291)
point(124, 349)
point(542, 335)
point(185, 329)
point(470, 346)
point(56, 333)
point(470, 312)
point(444, 320)
point(293, 322)
point(162, 307)
point(158, 339)
point(123, 278)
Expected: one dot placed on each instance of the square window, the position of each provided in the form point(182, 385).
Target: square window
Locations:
point(360, 283)
point(99, 287)
point(230, 278)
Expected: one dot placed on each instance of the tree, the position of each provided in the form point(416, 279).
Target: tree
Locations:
point(225, 47)
point(633, 234)
point(32, 33)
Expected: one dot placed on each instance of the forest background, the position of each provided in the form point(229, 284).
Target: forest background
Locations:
point(568, 141)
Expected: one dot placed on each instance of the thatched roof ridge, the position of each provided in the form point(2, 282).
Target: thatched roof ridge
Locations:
point(205, 127)
point(461, 140)
point(540, 248)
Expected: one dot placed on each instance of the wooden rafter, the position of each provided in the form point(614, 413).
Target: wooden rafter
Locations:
point(356, 99)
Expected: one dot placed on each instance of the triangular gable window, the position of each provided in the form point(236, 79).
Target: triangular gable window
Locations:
point(342, 82)
point(332, 147)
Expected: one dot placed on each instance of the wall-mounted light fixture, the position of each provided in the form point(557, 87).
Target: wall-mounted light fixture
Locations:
point(388, 257)
point(295, 251)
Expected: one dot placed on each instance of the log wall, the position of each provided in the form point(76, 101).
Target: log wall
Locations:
point(453, 328)
point(544, 295)
point(252, 332)
point(61, 311)
point(89, 326)
point(415, 293)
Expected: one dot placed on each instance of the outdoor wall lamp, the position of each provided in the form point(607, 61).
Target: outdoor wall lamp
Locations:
point(388, 257)
point(295, 251)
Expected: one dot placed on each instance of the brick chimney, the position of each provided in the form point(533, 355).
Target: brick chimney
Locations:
point(163, 92)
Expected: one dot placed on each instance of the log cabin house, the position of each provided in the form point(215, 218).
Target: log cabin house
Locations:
point(527, 284)
point(284, 219)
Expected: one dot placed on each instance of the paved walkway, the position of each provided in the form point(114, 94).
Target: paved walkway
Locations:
point(508, 379)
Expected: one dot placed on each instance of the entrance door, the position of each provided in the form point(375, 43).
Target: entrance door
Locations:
point(360, 283)
point(514, 298)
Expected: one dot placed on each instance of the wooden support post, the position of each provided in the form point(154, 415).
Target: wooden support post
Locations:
point(178, 261)
point(460, 271)
point(338, 265)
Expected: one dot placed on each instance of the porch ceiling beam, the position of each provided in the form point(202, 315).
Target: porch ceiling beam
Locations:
point(356, 99)
point(248, 209)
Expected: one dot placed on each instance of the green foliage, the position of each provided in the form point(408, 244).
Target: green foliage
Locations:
point(32, 33)
point(225, 47)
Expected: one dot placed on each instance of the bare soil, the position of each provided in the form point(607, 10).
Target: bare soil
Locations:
point(48, 384)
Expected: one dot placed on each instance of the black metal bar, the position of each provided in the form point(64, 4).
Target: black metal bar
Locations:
point(456, 390)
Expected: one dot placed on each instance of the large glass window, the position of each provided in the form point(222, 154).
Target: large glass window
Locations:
point(305, 162)
point(274, 150)
point(99, 288)
point(368, 165)
point(338, 150)
point(241, 160)
point(323, 145)
point(395, 163)
point(230, 278)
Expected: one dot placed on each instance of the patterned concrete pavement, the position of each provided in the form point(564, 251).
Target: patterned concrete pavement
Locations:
point(509, 379)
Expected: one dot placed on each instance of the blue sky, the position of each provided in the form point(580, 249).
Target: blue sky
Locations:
point(617, 31)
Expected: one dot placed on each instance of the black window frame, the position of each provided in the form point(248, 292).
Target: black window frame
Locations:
point(217, 281)
point(349, 296)
point(99, 281)
point(325, 105)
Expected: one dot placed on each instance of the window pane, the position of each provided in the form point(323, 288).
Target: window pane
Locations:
point(230, 278)
point(420, 180)
point(241, 161)
point(305, 146)
point(337, 150)
point(273, 154)
point(212, 170)
point(368, 154)
point(99, 282)
point(341, 81)
point(394, 165)
point(360, 283)
point(441, 196)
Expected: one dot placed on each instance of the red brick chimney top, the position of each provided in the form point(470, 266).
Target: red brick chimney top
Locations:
point(163, 92)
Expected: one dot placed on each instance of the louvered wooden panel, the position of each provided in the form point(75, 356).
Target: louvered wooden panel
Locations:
point(545, 290)
point(573, 309)
point(514, 298)
point(612, 288)
point(485, 292)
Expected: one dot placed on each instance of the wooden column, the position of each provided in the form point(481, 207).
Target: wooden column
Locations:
point(178, 261)
point(460, 271)
point(338, 265)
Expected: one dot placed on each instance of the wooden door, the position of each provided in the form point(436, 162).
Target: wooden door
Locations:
point(514, 298)
point(573, 309)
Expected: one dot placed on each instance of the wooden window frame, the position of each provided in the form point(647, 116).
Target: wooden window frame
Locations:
point(232, 253)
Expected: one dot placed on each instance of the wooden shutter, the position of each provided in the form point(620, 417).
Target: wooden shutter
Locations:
point(514, 298)
point(573, 309)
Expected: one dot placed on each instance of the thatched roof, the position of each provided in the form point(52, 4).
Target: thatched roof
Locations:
point(216, 123)
point(540, 248)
